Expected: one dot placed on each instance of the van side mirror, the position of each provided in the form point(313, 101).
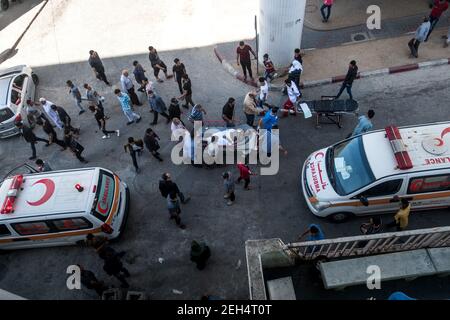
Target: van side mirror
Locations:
point(364, 201)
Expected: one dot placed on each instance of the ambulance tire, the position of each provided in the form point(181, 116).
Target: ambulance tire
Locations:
point(35, 79)
point(340, 217)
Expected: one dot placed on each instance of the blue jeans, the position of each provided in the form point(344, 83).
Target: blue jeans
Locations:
point(349, 90)
point(78, 103)
point(250, 119)
point(268, 75)
point(322, 11)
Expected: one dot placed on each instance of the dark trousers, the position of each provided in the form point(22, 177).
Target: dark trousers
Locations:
point(79, 156)
point(247, 65)
point(188, 100)
point(394, 224)
point(295, 76)
point(33, 147)
point(247, 181)
point(121, 276)
point(134, 98)
point(156, 69)
point(155, 116)
point(101, 75)
point(133, 157)
point(433, 22)
point(180, 86)
point(414, 47)
point(232, 196)
point(250, 119)
point(107, 132)
point(322, 11)
point(347, 86)
point(55, 139)
point(175, 215)
point(156, 154)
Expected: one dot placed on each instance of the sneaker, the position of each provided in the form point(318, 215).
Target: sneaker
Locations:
point(106, 137)
point(140, 118)
point(226, 196)
point(129, 122)
point(186, 199)
point(182, 226)
point(160, 80)
point(81, 112)
point(275, 75)
point(230, 203)
point(85, 161)
point(118, 133)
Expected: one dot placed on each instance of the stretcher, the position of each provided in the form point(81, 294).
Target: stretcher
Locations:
point(330, 111)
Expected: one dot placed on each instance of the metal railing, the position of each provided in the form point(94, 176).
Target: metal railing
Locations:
point(370, 244)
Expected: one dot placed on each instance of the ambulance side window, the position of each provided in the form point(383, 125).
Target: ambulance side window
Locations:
point(386, 188)
point(4, 231)
point(30, 228)
point(71, 224)
point(429, 184)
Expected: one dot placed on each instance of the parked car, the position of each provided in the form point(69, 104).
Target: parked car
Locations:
point(17, 85)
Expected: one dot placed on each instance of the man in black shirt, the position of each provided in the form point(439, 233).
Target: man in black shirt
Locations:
point(30, 137)
point(65, 119)
point(228, 113)
point(90, 281)
point(167, 186)
point(52, 136)
point(151, 142)
point(178, 70)
point(97, 66)
point(349, 78)
point(187, 92)
point(157, 64)
point(174, 109)
point(101, 121)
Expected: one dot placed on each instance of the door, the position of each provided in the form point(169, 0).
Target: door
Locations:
point(381, 197)
point(432, 191)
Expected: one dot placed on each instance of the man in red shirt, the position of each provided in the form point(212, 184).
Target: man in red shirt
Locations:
point(244, 174)
point(243, 56)
point(438, 9)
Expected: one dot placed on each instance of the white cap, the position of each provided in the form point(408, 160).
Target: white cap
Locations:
point(42, 100)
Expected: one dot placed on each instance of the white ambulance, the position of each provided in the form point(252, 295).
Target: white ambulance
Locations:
point(57, 208)
point(368, 174)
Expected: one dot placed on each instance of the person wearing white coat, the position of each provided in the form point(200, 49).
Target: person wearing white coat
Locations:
point(52, 114)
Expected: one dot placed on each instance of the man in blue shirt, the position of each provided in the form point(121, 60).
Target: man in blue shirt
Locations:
point(125, 104)
point(364, 123)
point(270, 119)
point(314, 233)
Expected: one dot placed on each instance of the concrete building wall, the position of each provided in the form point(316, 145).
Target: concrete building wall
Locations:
point(280, 25)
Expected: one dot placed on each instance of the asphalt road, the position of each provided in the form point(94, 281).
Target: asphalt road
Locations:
point(274, 208)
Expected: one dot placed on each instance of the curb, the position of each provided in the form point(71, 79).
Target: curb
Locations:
point(315, 83)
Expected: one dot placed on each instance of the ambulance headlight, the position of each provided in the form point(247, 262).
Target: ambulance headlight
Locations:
point(321, 205)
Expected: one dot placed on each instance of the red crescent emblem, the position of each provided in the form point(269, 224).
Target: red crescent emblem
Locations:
point(49, 190)
point(444, 132)
point(100, 209)
point(440, 142)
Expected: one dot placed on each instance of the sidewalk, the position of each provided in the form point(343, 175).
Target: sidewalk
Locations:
point(340, 17)
point(373, 58)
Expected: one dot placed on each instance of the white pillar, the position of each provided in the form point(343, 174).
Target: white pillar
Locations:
point(280, 29)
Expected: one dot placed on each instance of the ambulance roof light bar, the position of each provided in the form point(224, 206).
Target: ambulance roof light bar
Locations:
point(8, 204)
point(398, 146)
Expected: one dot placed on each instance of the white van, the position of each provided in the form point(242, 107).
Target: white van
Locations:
point(368, 174)
point(59, 208)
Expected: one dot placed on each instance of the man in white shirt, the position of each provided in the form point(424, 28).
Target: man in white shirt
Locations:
point(52, 114)
point(295, 71)
point(263, 92)
point(294, 95)
point(128, 86)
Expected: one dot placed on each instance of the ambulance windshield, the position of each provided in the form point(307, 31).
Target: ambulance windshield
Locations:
point(104, 196)
point(350, 170)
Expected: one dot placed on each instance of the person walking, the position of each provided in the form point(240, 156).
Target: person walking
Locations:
point(243, 58)
point(187, 91)
point(97, 66)
point(90, 281)
point(43, 166)
point(51, 133)
point(269, 68)
point(132, 148)
point(65, 119)
point(128, 86)
point(401, 218)
point(33, 113)
point(173, 205)
point(352, 73)
point(158, 106)
point(125, 104)
point(270, 138)
point(364, 123)
point(139, 73)
point(75, 92)
point(244, 174)
point(30, 137)
point(200, 253)
point(295, 72)
point(312, 233)
point(228, 113)
point(250, 108)
point(439, 7)
point(101, 121)
point(93, 98)
point(74, 146)
point(419, 37)
point(197, 113)
point(52, 114)
point(327, 4)
point(263, 92)
point(167, 186)
point(113, 266)
point(269, 120)
point(298, 55)
point(174, 109)
point(178, 71)
point(294, 96)
point(152, 144)
point(229, 188)
point(157, 64)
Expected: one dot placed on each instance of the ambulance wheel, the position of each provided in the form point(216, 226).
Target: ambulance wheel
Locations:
point(340, 217)
point(35, 79)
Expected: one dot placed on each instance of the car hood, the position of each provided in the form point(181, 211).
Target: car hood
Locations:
point(316, 177)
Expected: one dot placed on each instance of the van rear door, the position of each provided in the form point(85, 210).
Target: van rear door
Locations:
point(431, 190)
